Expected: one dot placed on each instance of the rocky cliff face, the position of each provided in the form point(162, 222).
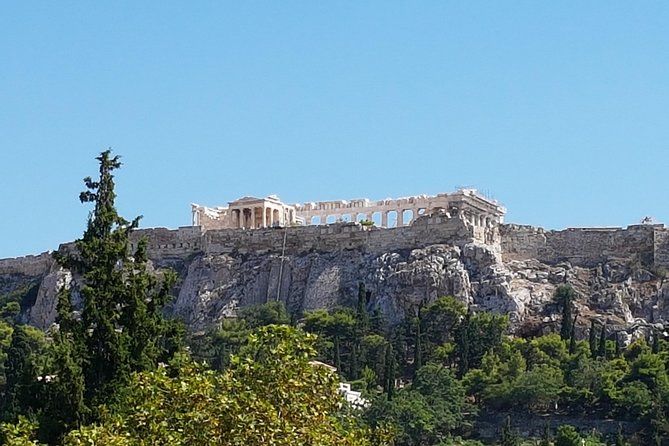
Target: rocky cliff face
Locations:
point(517, 276)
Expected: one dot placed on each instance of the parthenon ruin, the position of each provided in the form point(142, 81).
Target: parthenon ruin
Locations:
point(253, 213)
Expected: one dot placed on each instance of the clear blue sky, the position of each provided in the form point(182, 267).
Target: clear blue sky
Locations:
point(558, 109)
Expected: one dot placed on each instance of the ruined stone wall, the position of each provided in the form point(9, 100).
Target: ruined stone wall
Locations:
point(662, 248)
point(33, 266)
point(521, 242)
point(334, 237)
point(162, 242)
point(585, 246)
point(185, 241)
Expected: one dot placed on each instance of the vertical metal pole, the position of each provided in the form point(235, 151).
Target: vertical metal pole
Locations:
point(283, 252)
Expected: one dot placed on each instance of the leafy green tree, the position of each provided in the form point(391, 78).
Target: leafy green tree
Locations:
point(271, 394)
point(65, 405)
point(373, 350)
point(549, 350)
point(484, 331)
point(567, 436)
point(426, 412)
point(9, 311)
point(5, 340)
point(337, 336)
point(440, 321)
point(22, 368)
point(270, 313)
point(216, 346)
point(22, 433)
point(224, 342)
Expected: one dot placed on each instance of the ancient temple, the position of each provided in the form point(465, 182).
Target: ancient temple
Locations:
point(253, 213)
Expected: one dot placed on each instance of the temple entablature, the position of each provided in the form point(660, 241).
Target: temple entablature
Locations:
point(480, 213)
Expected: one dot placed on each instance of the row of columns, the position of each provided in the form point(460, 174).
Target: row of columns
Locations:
point(477, 220)
point(259, 217)
point(368, 216)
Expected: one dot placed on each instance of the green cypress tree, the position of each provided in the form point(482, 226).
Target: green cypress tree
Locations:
point(389, 372)
point(418, 345)
point(593, 339)
point(22, 391)
point(572, 337)
point(508, 436)
point(121, 328)
point(620, 438)
point(601, 351)
point(363, 317)
point(655, 346)
point(565, 295)
point(354, 371)
point(546, 435)
point(337, 355)
point(463, 344)
point(65, 406)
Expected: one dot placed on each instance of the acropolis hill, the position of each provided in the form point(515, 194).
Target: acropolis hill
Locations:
point(406, 251)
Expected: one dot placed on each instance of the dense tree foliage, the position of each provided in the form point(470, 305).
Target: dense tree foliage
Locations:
point(271, 394)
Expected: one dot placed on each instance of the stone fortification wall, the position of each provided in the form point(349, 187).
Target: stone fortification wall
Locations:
point(582, 246)
point(162, 242)
point(521, 242)
point(648, 244)
point(185, 241)
point(33, 266)
point(662, 248)
point(328, 238)
point(585, 246)
point(181, 243)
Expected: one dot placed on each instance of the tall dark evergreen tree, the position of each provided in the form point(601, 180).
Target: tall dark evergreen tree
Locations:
point(508, 437)
point(655, 346)
point(418, 344)
point(22, 390)
point(390, 372)
point(601, 350)
point(363, 317)
point(572, 336)
point(546, 436)
point(620, 438)
point(593, 338)
point(463, 346)
point(565, 296)
point(337, 354)
point(121, 328)
point(354, 368)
